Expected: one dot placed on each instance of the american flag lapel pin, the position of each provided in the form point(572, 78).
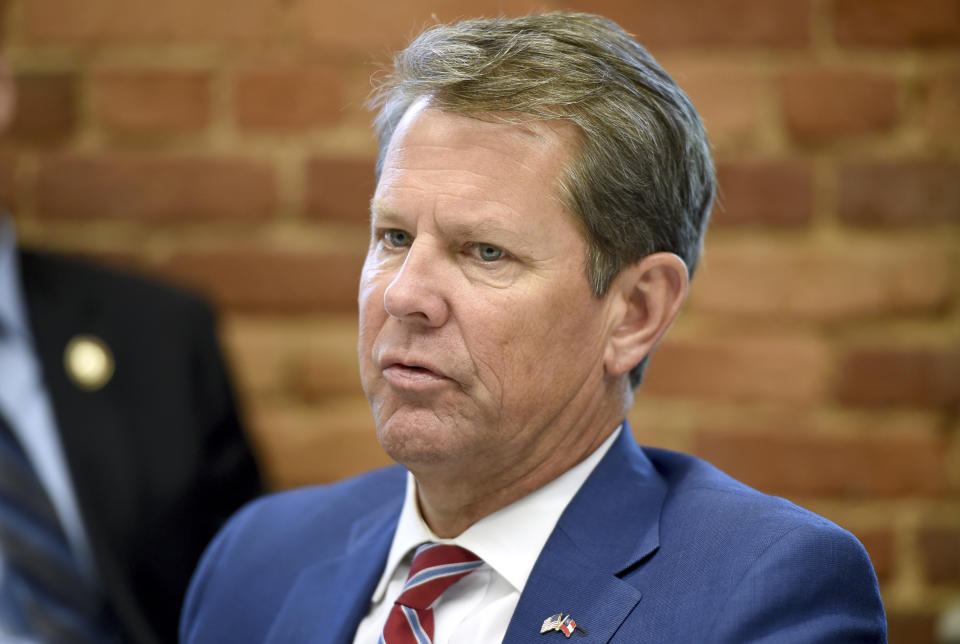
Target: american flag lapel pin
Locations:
point(565, 625)
point(552, 623)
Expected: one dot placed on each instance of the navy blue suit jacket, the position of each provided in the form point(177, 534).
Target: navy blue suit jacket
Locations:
point(655, 547)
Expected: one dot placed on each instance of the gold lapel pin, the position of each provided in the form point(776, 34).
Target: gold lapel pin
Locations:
point(88, 362)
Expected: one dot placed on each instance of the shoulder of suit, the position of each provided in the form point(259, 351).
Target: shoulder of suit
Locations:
point(722, 503)
point(354, 495)
point(316, 516)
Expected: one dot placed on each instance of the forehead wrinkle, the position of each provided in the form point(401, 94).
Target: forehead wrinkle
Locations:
point(453, 184)
point(436, 165)
point(470, 214)
point(457, 184)
point(482, 226)
point(488, 217)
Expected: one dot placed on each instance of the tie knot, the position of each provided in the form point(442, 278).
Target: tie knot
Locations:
point(435, 568)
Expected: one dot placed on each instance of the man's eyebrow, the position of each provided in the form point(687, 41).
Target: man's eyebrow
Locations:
point(477, 226)
point(380, 209)
point(480, 227)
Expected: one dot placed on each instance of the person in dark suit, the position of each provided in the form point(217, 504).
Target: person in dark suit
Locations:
point(542, 191)
point(121, 447)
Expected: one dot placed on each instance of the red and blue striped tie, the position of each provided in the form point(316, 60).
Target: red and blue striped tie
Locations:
point(435, 568)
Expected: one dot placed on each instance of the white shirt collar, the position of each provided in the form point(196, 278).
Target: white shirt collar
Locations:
point(509, 540)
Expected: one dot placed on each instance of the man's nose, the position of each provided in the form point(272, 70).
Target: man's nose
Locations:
point(416, 292)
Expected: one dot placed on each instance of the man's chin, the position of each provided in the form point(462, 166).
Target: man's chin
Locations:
point(421, 440)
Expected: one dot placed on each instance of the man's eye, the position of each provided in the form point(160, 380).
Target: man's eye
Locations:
point(488, 252)
point(397, 238)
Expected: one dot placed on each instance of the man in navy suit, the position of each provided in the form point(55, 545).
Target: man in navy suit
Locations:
point(543, 188)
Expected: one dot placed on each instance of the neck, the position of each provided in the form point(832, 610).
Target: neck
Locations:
point(453, 499)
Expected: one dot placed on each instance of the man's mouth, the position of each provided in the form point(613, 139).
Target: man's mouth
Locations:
point(413, 375)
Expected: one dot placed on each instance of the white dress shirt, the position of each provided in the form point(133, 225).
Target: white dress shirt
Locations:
point(25, 404)
point(477, 609)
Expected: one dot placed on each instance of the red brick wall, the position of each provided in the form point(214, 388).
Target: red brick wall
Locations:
point(223, 144)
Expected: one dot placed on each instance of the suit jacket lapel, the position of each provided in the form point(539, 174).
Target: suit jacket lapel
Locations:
point(330, 598)
point(91, 432)
point(611, 525)
point(90, 429)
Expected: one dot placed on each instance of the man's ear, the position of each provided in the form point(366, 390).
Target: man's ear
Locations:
point(650, 294)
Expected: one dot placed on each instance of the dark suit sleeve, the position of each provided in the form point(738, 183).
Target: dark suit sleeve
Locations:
point(231, 476)
point(815, 584)
point(226, 475)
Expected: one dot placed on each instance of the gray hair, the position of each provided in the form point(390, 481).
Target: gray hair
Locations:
point(641, 180)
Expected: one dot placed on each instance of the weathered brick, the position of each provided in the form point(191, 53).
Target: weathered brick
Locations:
point(942, 98)
point(910, 627)
point(880, 546)
point(46, 107)
point(289, 98)
point(340, 189)
point(721, 23)
point(776, 279)
point(328, 367)
point(8, 188)
point(822, 105)
point(940, 550)
point(79, 21)
point(7, 95)
point(160, 101)
point(892, 23)
point(807, 465)
point(312, 359)
point(786, 368)
point(272, 280)
point(3, 20)
point(953, 430)
point(907, 192)
point(369, 26)
point(260, 354)
point(308, 445)
point(154, 188)
point(886, 376)
point(661, 421)
point(729, 99)
point(764, 192)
